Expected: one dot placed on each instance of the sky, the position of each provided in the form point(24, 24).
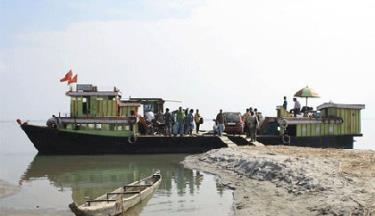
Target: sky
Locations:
point(210, 54)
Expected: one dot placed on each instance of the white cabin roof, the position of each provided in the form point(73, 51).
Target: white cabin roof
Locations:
point(344, 106)
point(93, 93)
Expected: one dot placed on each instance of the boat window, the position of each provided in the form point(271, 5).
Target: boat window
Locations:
point(291, 130)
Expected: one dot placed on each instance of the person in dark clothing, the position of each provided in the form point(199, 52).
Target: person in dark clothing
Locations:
point(190, 122)
point(252, 124)
point(186, 124)
point(245, 118)
point(220, 122)
point(168, 122)
point(198, 120)
point(285, 104)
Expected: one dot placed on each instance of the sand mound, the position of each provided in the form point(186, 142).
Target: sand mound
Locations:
point(297, 181)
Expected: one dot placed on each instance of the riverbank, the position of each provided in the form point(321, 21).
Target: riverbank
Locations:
point(7, 189)
point(280, 180)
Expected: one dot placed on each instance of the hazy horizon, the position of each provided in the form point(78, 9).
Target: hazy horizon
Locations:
point(210, 54)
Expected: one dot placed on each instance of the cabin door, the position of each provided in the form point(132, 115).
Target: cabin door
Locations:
point(86, 105)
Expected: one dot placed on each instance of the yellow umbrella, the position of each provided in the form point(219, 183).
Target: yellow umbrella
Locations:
point(306, 93)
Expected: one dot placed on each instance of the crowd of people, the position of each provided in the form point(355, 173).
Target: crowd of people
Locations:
point(186, 121)
point(252, 120)
point(179, 122)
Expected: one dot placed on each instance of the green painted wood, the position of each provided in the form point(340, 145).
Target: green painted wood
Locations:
point(313, 129)
point(347, 116)
point(359, 126)
point(105, 107)
point(325, 129)
point(114, 108)
point(354, 122)
point(358, 122)
point(332, 111)
point(317, 130)
point(109, 108)
point(331, 129)
point(343, 124)
point(298, 130)
point(335, 129)
point(308, 129)
point(110, 104)
point(79, 107)
point(122, 133)
point(72, 107)
point(93, 106)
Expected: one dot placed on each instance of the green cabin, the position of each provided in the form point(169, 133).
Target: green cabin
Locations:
point(91, 109)
point(330, 119)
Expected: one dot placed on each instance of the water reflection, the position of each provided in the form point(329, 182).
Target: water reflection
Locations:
point(86, 177)
point(91, 176)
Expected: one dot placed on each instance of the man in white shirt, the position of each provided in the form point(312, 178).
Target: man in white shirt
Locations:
point(297, 107)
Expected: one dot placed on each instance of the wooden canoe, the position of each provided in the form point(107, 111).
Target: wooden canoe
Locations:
point(120, 200)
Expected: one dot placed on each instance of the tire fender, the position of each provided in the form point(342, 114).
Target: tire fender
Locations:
point(132, 139)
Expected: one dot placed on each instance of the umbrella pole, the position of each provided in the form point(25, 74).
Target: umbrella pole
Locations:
point(306, 100)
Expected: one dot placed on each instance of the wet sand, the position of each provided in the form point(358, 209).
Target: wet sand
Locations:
point(7, 189)
point(282, 180)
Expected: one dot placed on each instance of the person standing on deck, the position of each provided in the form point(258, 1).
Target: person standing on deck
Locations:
point(168, 122)
point(220, 122)
point(256, 114)
point(190, 122)
point(252, 124)
point(197, 120)
point(245, 119)
point(180, 120)
point(186, 124)
point(285, 104)
point(297, 107)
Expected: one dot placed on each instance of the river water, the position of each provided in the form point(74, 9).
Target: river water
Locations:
point(48, 184)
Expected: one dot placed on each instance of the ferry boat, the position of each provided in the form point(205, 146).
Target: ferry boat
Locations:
point(332, 125)
point(101, 122)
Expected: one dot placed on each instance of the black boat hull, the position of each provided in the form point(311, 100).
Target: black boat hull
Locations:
point(340, 142)
point(52, 141)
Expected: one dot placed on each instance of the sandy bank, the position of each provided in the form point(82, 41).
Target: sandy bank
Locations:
point(282, 180)
point(7, 189)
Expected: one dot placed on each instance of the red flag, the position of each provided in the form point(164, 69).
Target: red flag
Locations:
point(67, 77)
point(73, 80)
